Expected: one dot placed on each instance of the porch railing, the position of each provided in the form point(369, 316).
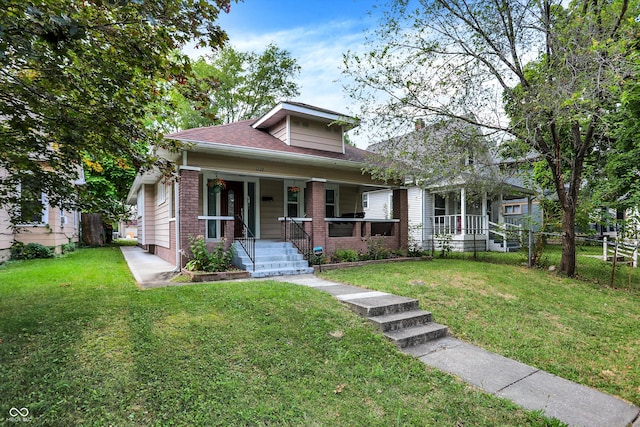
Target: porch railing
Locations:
point(247, 240)
point(505, 232)
point(623, 249)
point(294, 233)
point(452, 224)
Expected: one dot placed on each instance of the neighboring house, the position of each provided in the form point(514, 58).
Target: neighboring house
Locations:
point(287, 175)
point(457, 212)
point(51, 227)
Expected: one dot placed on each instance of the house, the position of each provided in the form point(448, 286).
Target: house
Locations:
point(50, 226)
point(468, 203)
point(287, 176)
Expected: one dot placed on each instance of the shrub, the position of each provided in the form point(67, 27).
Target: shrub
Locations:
point(317, 259)
point(203, 260)
point(376, 249)
point(21, 251)
point(68, 247)
point(345, 255)
point(444, 241)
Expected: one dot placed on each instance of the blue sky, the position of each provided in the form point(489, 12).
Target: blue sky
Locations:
point(315, 32)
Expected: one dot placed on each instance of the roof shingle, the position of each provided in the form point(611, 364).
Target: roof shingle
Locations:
point(241, 134)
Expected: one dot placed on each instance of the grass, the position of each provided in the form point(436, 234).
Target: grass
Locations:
point(82, 345)
point(589, 264)
point(582, 331)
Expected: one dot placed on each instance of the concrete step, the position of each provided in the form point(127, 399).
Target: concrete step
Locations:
point(281, 272)
point(271, 258)
point(381, 305)
point(396, 321)
point(416, 335)
point(284, 265)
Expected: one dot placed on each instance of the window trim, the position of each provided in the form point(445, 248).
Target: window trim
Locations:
point(515, 205)
point(45, 211)
point(336, 199)
point(161, 192)
point(300, 202)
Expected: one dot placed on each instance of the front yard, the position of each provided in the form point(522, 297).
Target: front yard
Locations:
point(80, 344)
point(580, 330)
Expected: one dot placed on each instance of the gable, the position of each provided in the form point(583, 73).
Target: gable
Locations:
point(307, 133)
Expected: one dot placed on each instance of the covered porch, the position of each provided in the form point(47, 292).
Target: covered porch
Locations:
point(312, 213)
point(463, 221)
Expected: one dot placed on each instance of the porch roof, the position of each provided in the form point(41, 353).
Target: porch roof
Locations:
point(241, 136)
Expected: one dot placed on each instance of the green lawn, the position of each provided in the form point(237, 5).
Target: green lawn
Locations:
point(82, 345)
point(590, 266)
point(579, 330)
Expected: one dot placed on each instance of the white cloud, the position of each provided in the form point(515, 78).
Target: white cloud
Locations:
point(319, 52)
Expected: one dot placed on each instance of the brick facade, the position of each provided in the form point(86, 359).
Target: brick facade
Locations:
point(316, 211)
point(401, 212)
point(190, 225)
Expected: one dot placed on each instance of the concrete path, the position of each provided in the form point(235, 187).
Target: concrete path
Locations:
point(531, 388)
point(149, 270)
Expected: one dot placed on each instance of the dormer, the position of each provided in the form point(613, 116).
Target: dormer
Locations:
point(305, 126)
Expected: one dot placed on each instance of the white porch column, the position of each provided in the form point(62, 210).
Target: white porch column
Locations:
point(500, 211)
point(463, 211)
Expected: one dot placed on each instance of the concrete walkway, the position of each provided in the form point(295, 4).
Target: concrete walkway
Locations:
point(531, 388)
point(149, 270)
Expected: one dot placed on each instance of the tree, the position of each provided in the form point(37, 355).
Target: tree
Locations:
point(231, 86)
point(618, 183)
point(76, 79)
point(553, 69)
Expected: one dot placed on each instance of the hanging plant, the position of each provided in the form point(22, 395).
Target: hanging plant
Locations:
point(294, 189)
point(217, 184)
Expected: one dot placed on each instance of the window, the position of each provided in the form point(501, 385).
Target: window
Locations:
point(440, 205)
point(161, 193)
point(63, 218)
point(512, 209)
point(32, 207)
point(172, 200)
point(140, 202)
point(212, 210)
point(330, 203)
point(365, 201)
point(293, 200)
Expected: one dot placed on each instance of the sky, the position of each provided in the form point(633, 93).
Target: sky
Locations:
point(315, 32)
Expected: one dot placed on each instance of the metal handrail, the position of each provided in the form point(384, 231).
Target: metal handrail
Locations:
point(247, 241)
point(294, 233)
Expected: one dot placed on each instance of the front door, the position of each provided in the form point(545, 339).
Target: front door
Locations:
point(232, 203)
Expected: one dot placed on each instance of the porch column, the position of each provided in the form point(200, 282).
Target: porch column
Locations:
point(401, 212)
point(188, 207)
point(463, 211)
point(501, 211)
point(315, 202)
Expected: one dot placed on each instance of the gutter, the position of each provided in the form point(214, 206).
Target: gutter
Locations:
point(202, 146)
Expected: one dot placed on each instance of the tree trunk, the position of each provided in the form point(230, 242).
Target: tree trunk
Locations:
point(92, 230)
point(568, 260)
